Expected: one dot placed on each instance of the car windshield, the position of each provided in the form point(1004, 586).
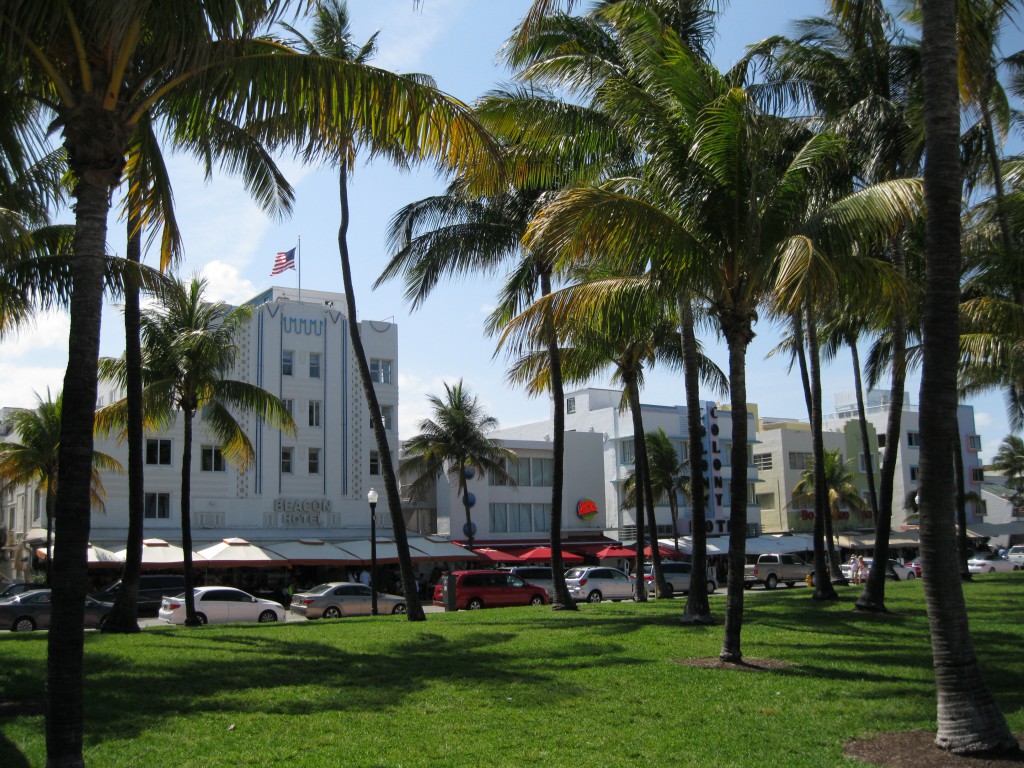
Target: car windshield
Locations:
point(319, 589)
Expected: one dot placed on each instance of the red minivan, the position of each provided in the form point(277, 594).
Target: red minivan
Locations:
point(489, 589)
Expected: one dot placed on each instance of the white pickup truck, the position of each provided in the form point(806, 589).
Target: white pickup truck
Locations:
point(771, 569)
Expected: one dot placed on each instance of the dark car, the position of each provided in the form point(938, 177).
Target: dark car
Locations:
point(31, 610)
point(153, 588)
point(489, 589)
point(17, 588)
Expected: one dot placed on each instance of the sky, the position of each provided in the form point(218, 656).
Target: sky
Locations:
point(232, 243)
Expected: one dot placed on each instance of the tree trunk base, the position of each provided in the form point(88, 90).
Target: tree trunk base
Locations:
point(112, 627)
point(999, 747)
point(697, 619)
point(825, 592)
point(966, 576)
point(870, 607)
point(416, 613)
point(729, 657)
point(569, 606)
point(842, 581)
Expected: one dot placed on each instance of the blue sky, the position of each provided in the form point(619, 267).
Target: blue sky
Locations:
point(233, 244)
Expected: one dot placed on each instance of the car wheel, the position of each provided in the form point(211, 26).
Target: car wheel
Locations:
point(771, 582)
point(991, 570)
point(911, 576)
point(399, 608)
point(103, 620)
point(594, 597)
point(669, 590)
point(536, 600)
point(748, 585)
point(267, 616)
point(789, 584)
point(23, 624)
point(202, 618)
point(332, 613)
point(475, 604)
point(1016, 567)
point(710, 587)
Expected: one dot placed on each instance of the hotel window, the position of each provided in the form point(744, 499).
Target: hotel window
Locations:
point(380, 371)
point(158, 452)
point(570, 405)
point(626, 452)
point(314, 461)
point(289, 405)
point(499, 518)
point(914, 439)
point(314, 365)
point(543, 472)
point(314, 413)
point(387, 416)
point(286, 460)
point(762, 462)
point(913, 474)
point(212, 460)
point(374, 463)
point(974, 442)
point(798, 460)
point(287, 362)
point(977, 475)
point(157, 506)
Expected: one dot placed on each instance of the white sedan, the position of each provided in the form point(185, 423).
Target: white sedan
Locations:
point(990, 562)
point(220, 605)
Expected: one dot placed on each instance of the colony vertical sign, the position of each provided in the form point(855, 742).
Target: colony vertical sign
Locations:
point(716, 514)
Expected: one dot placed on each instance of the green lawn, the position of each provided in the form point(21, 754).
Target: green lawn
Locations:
point(517, 687)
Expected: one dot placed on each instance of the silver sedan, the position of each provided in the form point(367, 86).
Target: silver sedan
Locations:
point(345, 598)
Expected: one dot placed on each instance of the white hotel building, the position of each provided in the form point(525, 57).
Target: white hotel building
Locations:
point(310, 485)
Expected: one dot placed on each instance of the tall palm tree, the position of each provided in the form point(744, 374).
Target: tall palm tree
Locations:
point(404, 119)
point(668, 473)
point(454, 442)
point(34, 458)
point(189, 350)
point(969, 719)
point(1009, 460)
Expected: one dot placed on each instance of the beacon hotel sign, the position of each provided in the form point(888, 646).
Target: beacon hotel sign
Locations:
point(301, 513)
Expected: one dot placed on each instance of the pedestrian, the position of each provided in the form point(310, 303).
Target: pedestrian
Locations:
point(862, 569)
point(364, 577)
point(421, 585)
point(854, 570)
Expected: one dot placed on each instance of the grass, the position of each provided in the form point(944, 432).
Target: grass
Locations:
point(517, 687)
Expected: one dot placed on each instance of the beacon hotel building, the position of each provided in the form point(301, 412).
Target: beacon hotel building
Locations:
point(310, 485)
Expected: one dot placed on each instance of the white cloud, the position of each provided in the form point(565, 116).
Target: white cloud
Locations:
point(224, 283)
point(982, 420)
point(413, 405)
point(23, 383)
point(408, 37)
point(486, 309)
point(47, 331)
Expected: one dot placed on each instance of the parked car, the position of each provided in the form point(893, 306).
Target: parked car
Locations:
point(677, 575)
point(916, 566)
point(896, 571)
point(17, 587)
point(990, 562)
point(489, 589)
point(153, 588)
point(220, 605)
point(346, 598)
point(31, 610)
point(1016, 554)
point(540, 575)
point(593, 584)
point(772, 569)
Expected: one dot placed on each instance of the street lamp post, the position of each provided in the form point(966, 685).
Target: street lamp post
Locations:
point(371, 497)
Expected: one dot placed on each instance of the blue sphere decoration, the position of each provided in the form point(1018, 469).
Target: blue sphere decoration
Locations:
point(467, 527)
point(470, 498)
point(469, 472)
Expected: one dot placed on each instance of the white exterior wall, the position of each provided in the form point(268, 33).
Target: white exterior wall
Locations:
point(263, 504)
point(597, 411)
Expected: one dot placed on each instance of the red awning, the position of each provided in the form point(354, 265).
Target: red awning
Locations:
point(543, 554)
point(495, 555)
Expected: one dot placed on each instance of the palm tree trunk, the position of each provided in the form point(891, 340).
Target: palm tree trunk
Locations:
point(969, 719)
point(872, 598)
point(633, 394)
point(64, 672)
point(414, 609)
point(661, 587)
point(186, 518)
point(737, 336)
point(698, 610)
point(869, 464)
point(464, 493)
point(124, 615)
point(961, 505)
point(823, 589)
point(561, 600)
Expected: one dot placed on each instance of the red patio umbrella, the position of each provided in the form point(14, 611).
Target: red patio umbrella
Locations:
point(494, 555)
point(613, 551)
point(543, 554)
point(663, 551)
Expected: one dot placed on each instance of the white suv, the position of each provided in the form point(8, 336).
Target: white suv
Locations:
point(677, 575)
point(593, 584)
point(1016, 554)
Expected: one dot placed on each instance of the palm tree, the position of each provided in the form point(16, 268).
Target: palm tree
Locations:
point(454, 443)
point(33, 460)
point(1010, 461)
point(668, 473)
point(404, 119)
point(969, 719)
point(189, 349)
point(839, 485)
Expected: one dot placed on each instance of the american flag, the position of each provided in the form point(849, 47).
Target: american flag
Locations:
point(284, 260)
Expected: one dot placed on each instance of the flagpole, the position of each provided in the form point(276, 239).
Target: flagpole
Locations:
point(298, 264)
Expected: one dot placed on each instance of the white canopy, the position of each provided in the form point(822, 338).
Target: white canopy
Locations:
point(439, 550)
point(313, 552)
point(157, 553)
point(237, 553)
